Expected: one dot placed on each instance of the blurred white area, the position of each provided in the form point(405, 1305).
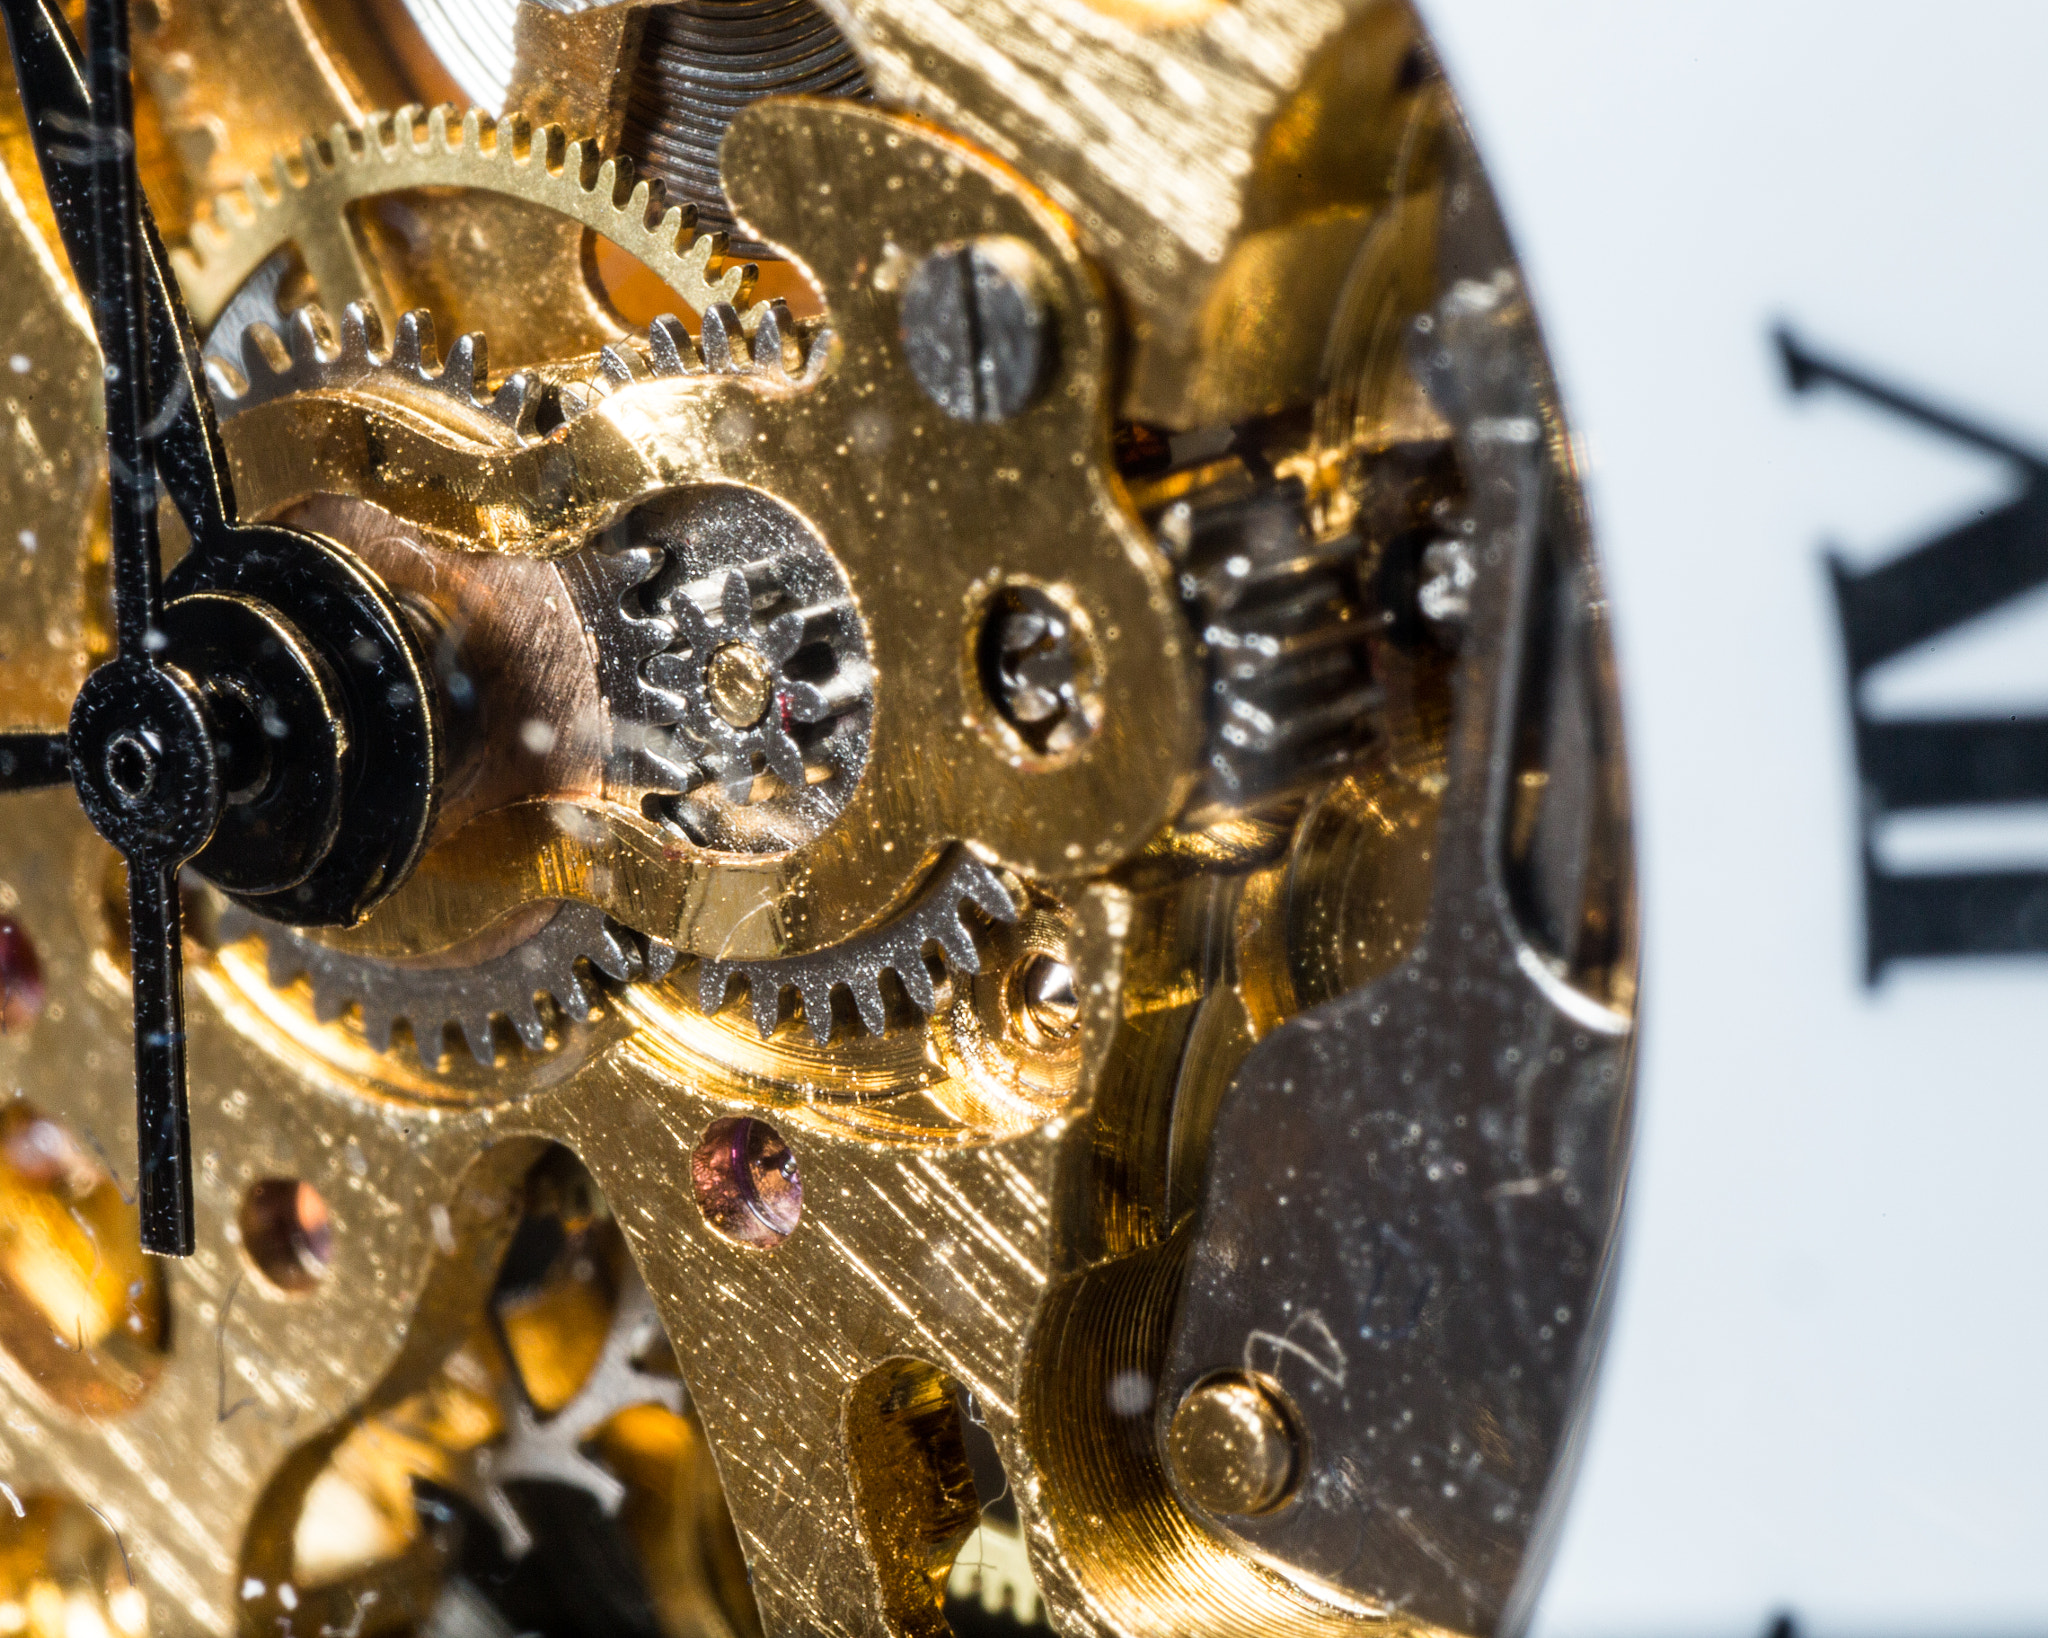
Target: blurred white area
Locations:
point(1824, 1391)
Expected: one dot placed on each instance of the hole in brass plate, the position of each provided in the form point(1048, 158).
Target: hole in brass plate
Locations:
point(81, 1307)
point(288, 1233)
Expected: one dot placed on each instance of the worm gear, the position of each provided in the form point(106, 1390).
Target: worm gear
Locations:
point(1283, 617)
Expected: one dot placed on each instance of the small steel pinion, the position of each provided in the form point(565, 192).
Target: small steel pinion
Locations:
point(736, 698)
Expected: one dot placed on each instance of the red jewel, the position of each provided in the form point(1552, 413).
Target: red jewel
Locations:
point(21, 979)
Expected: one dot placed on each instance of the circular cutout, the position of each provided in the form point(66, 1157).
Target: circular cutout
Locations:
point(288, 1233)
point(81, 1308)
point(746, 1181)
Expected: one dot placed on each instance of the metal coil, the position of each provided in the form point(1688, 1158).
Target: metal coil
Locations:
point(701, 61)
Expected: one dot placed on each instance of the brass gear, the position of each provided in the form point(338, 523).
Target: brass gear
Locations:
point(496, 975)
point(309, 201)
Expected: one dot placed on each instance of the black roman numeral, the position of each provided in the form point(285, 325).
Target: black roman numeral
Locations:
point(1910, 765)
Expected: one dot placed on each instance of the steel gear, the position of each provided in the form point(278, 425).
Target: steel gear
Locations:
point(308, 199)
point(469, 995)
point(729, 644)
point(310, 356)
point(933, 918)
point(660, 614)
point(549, 1449)
point(762, 687)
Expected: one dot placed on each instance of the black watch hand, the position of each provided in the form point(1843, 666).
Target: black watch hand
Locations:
point(272, 723)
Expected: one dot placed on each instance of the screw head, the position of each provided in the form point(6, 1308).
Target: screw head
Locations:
point(1234, 1445)
point(737, 679)
point(977, 330)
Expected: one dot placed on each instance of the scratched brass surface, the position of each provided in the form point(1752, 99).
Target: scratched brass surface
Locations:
point(1234, 205)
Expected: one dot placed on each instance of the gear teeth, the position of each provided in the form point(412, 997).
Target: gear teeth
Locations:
point(311, 337)
point(316, 353)
point(764, 342)
point(517, 403)
point(621, 365)
point(414, 351)
point(670, 351)
point(466, 366)
point(774, 337)
point(265, 359)
point(723, 342)
point(609, 581)
point(362, 334)
point(415, 146)
point(916, 980)
point(933, 917)
point(470, 999)
point(615, 182)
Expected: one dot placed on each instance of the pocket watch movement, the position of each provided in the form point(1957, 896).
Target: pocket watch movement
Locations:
point(817, 826)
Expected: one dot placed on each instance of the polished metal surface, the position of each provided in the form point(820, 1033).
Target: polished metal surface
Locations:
point(1414, 1190)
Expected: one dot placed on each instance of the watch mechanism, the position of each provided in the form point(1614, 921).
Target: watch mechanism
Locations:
point(852, 772)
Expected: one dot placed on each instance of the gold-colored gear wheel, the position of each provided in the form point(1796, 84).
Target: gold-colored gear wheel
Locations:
point(541, 186)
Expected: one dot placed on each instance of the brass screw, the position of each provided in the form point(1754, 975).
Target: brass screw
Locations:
point(738, 679)
point(1233, 1445)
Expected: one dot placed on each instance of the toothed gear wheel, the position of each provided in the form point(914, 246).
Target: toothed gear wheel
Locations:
point(734, 666)
point(468, 994)
point(765, 342)
point(932, 919)
point(308, 198)
point(310, 356)
point(549, 1449)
